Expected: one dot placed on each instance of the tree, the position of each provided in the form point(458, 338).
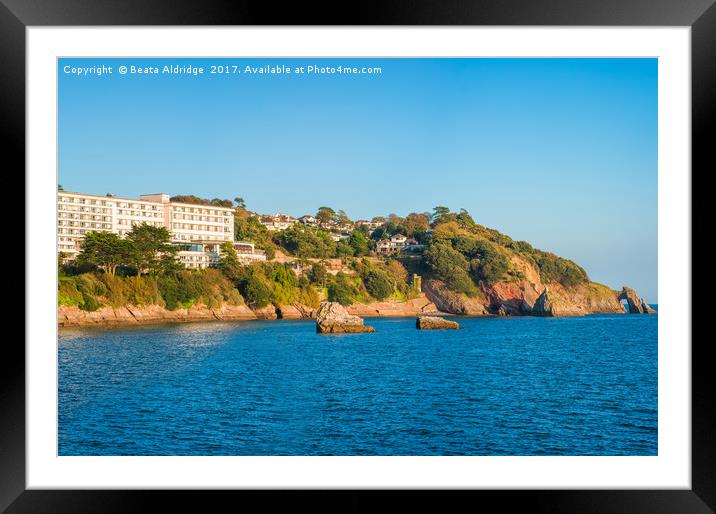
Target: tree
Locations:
point(359, 242)
point(342, 218)
point(378, 234)
point(378, 284)
point(305, 241)
point(341, 290)
point(105, 250)
point(256, 291)
point(219, 202)
point(393, 224)
point(343, 249)
point(464, 219)
point(60, 188)
point(318, 274)
point(229, 263)
point(488, 262)
point(414, 223)
point(195, 200)
point(325, 215)
point(397, 272)
point(449, 266)
point(249, 228)
point(439, 212)
point(152, 249)
point(240, 202)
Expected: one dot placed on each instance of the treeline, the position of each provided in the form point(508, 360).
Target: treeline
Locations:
point(145, 249)
point(465, 255)
point(265, 283)
point(257, 285)
point(195, 200)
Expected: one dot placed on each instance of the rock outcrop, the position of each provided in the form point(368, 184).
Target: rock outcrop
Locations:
point(268, 312)
point(635, 304)
point(543, 305)
point(333, 318)
point(149, 314)
point(646, 307)
point(435, 323)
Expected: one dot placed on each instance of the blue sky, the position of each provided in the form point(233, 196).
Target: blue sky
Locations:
point(559, 152)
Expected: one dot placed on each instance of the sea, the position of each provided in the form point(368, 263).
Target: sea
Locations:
point(498, 386)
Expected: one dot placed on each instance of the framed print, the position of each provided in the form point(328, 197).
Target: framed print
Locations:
point(437, 248)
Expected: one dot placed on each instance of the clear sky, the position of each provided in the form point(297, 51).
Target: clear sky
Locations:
point(558, 152)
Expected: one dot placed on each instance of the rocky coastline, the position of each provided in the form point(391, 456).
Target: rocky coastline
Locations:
point(502, 299)
point(155, 314)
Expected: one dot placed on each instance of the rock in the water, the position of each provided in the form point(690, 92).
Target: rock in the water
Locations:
point(646, 307)
point(435, 323)
point(636, 305)
point(333, 318)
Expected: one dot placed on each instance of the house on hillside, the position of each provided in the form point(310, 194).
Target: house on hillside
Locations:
point(372, 225)
point(278, 221)
point(390, 246)
point(309, 220)
point(247, 252)
point(396, 244)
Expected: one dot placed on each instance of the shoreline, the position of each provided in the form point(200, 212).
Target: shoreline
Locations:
point(122, 322)
point(131, 315)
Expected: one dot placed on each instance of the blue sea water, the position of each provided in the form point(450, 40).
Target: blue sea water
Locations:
point(499, 386)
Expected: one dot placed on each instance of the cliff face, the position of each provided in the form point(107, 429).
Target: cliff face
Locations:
point(133, 315)
point(414, 307)
point(529, 296)
point(449, 301)
point(149, 314)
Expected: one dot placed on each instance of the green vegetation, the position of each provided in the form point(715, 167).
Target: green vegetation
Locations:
point(181, 289)
point(450, 266)
point(142, 268)
point(151, 250)
point(249, 228)
point(146, 249)
point(343, 290)
point(465, 255)
point(105, 250)
point(195, 200)
point(304, 241)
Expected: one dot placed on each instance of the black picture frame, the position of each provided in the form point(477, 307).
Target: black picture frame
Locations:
point(700, 15)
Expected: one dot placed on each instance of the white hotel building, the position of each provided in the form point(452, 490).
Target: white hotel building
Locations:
point(198, 229)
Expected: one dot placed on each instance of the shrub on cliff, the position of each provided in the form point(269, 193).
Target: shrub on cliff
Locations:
point(142, 291)
point(487, 262)
point(307, 295)
point(80, 291)
point(450, 266)
point(255, 291)
point(378, 284)
point(67, 292)
point(342, 290)
point(207, 286)
point(553, 268)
